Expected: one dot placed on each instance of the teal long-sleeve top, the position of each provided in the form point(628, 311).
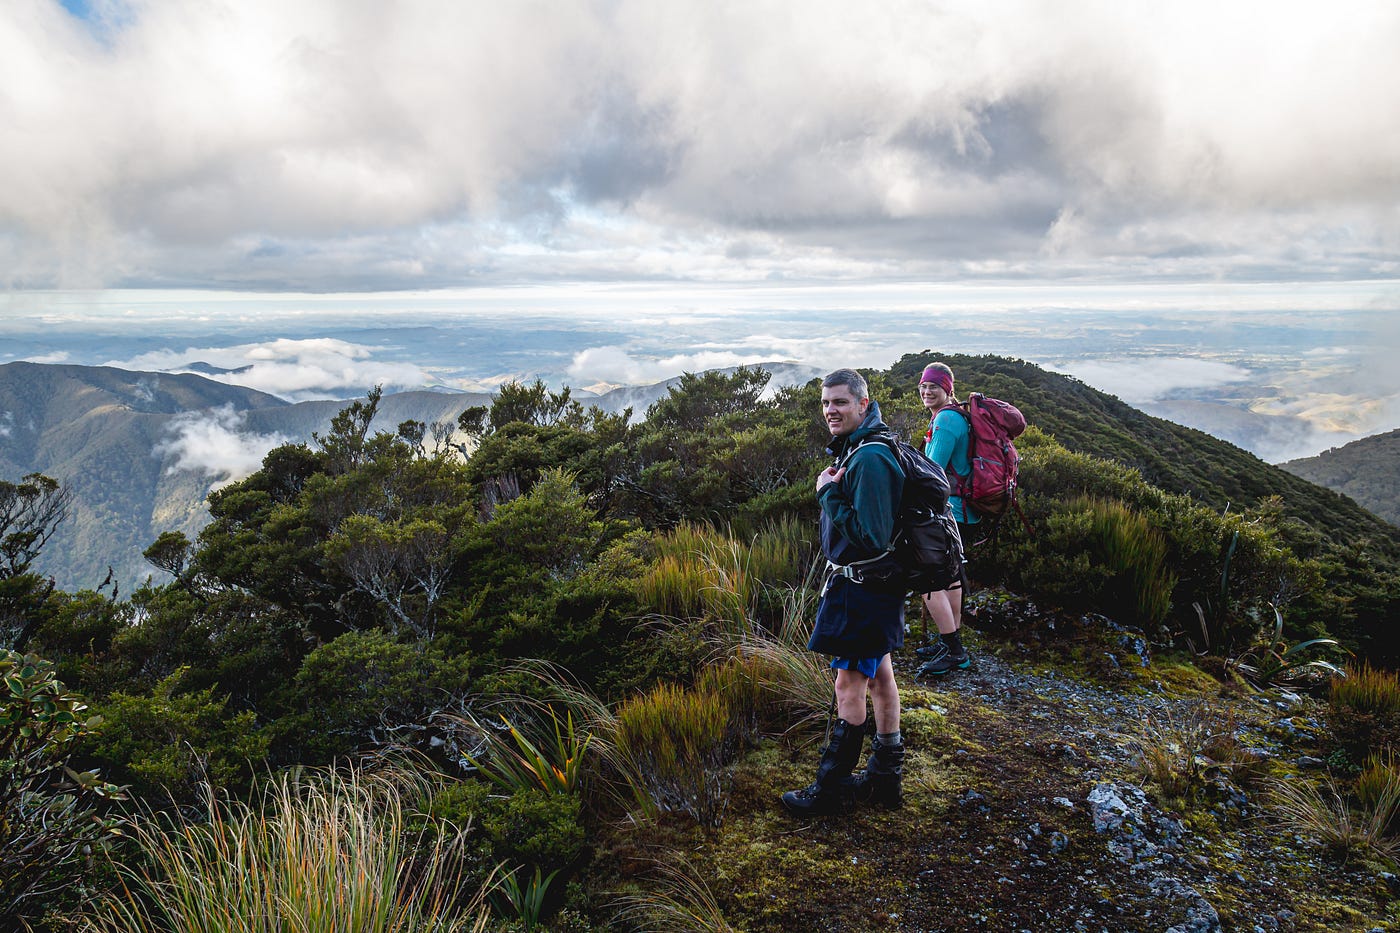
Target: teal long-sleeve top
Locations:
point(948, 446)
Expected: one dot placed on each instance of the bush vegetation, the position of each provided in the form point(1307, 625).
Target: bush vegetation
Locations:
point(634, 599)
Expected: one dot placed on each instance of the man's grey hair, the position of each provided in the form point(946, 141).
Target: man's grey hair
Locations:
point(851, 380)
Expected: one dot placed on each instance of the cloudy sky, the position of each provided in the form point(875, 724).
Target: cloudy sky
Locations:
point(1194, 205)
point(326, 145)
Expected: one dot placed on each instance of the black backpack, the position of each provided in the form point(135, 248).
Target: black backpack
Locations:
point(925, 552)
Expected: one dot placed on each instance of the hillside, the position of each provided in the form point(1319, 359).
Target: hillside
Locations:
point(1367, 470)
point(141, 451)
point(1168, 455)
point(635, 604)
point(108, 433)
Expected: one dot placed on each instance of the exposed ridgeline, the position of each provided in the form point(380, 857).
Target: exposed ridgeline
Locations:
point(1357, 553)
point(1367, 470)
point(1168, 455)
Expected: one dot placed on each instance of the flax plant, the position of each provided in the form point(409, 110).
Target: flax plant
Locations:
point(525, 901)
point(314, 855)
point(557, 768)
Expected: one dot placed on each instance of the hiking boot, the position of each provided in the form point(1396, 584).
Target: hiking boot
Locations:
point(831, 792)
point(882, 781)
point(945, 662)
point(931, 650)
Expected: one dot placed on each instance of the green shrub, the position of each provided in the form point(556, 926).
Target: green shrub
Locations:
point(537, 829)
point(362, 689)
point(49, 814)
point(174, 742)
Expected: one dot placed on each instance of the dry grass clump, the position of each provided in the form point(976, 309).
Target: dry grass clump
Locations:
point(319, 853)
point(1346, 827)
point(681, 903)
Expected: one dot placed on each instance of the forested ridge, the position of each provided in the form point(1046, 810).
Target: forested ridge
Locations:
point(574, 644)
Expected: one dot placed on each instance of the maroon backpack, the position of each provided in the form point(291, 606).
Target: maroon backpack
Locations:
point(991, 489)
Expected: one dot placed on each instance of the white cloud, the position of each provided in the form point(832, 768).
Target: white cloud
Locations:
point(7, 423)
point(292, 369)
point(410, 142)
point(614, 365)
point(214, 444)
point(58, 356)
point(1136, 381)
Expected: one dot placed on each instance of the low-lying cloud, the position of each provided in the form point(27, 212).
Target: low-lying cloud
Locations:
point(296, 370)
point(615, 366)
point(1136, 381)
point(213, 443)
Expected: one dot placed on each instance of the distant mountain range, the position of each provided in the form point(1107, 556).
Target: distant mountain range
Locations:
point(1367, 470)
point(142, 450)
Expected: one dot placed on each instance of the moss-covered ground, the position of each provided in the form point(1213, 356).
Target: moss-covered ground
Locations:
point(998, 831)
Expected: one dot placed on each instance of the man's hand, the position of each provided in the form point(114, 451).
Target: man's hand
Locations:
point(828, 476)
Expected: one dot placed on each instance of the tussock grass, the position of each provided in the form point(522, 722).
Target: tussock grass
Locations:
point(676, 744)
point(323, 853)
point(681, 903)
point(1324, 813)
point(1366, 689)
point(701, 572)
point(1377, 782)
point(1136, 553)
point(1179, 744)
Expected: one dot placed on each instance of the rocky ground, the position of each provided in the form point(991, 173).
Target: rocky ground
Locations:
point(1026, 808)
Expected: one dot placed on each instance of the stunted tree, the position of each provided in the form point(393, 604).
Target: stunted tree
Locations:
point(30, 512)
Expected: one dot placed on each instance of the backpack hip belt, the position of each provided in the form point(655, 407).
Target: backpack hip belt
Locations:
point(855, 571)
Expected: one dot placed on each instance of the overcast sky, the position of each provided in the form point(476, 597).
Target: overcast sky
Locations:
point(338, 145)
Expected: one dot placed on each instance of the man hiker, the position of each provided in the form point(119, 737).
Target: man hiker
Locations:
point(857, 624)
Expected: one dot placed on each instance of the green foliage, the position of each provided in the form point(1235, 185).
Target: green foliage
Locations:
point(362, 689)
point(1272, 660)
point(1362, 470)
point(318, 853)
point(175, 742)
point(49, 816)
point(30, 512)
point(550, 533)
point(526, 902)
point(1107, 541)
point(1305, 523)
point(531, 828)
point(751, 461)
point(79, 634)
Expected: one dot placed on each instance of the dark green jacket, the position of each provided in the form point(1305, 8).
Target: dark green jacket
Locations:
point(858, 512)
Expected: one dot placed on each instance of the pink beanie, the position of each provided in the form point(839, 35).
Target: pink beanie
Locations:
point(938, 377)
